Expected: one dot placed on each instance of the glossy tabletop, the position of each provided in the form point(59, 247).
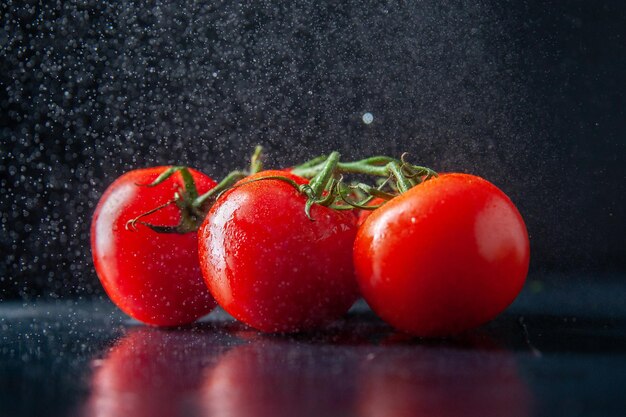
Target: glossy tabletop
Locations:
point(559, 350)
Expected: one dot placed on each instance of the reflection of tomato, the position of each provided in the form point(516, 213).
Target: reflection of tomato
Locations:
point(268, 379)
point(150, 373)
point(269, 265)
point(435, 381)
point(448, 255)
point(153, 277)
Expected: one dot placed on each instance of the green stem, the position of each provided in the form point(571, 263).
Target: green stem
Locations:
point(190, 184)
point(362, 168)
point(256, 164)
point(375, 192)
point(312, 162)
point(375, 166)
point(402, 181)
point(222, 186)
point(321, 180)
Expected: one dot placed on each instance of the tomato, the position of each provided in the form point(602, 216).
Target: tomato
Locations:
point(446, 256)
point(364, 214)
point(271, 267)
point(153, 277)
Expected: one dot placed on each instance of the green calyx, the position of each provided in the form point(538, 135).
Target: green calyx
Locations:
point(192, 205)
point(326, 187)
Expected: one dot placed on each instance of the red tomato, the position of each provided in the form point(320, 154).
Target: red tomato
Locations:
point(271, 267)
point(446, 256)
point(364, 214)
point(153, 277)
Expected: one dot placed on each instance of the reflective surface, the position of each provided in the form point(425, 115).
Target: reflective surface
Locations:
point(560, 350)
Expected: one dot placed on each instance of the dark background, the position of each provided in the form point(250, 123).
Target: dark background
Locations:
point(526, 94)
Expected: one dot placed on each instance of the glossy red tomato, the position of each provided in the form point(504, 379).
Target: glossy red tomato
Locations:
point(271, 267)
point(364, 214)
point(153, 277)
point(446, 256)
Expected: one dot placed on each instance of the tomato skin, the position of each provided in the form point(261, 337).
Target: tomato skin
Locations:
point(271, 267)
point(364, 214)
point(444, 257)
point(153, 277)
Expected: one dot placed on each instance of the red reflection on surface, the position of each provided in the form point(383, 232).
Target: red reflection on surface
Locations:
point(150, 373)
point(267, 379)
point(442, 381)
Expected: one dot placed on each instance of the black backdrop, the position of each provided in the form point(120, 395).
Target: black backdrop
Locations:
point(527, 94)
